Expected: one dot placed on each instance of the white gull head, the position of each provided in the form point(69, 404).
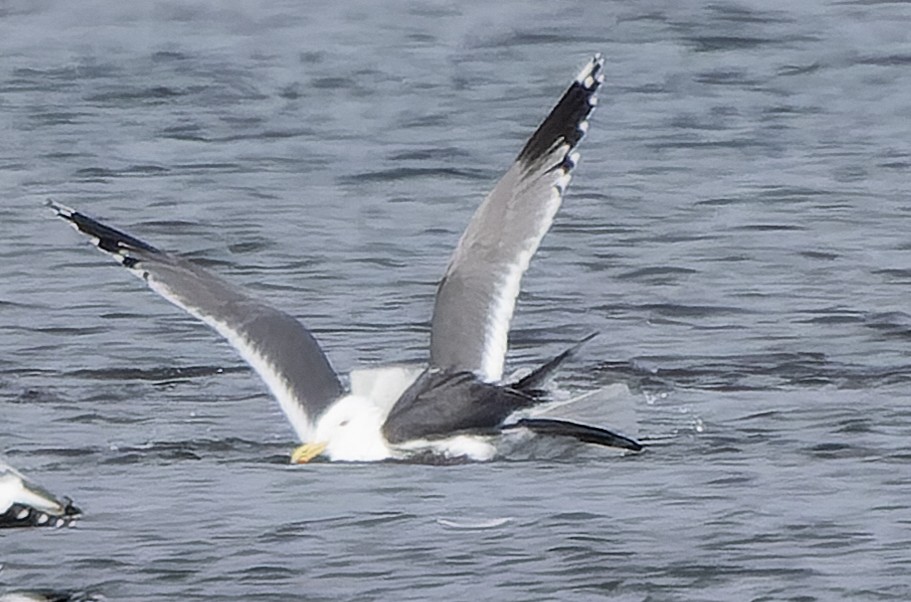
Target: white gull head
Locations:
point(351, 431)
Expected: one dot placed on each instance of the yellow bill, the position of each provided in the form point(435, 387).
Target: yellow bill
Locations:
point(307, 452)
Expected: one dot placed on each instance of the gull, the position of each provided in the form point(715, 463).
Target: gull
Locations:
point(459, 405)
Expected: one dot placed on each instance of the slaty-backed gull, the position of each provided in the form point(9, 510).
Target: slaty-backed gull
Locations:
point(458, 405)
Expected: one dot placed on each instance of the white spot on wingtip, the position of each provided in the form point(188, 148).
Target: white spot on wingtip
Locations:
point(22, 513)
point(583, 126)
point(593, 101)
point(589, 82)
point(586, 72)
point(574, 158)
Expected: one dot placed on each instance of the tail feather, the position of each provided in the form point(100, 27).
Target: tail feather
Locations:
point(583, 432)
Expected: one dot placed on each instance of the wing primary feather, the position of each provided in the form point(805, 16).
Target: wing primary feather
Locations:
point(537, 378)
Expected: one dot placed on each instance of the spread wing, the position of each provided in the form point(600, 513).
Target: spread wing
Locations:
point(475, 300)
point(276, 345)
point(23, 503)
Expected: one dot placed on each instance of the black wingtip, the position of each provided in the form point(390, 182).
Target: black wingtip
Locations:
point(22, 516)
point(106, 238)
point(582, 432)
point(567, 121)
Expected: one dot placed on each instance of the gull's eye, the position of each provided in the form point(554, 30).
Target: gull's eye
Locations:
point(344, 422)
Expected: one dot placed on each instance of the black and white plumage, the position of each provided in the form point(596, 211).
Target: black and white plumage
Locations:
point(23, 503)
point(454, 406)
point(50, 595)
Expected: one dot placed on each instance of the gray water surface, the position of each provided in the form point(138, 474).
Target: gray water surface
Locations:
point(737, 230)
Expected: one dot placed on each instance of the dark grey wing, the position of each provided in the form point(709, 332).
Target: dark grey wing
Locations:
point(441, 404)
point(476, 298)
point(276, 345)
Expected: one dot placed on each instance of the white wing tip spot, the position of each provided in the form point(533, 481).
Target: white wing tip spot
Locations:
point(591, 76)
point(587, 76)
point(120, 255)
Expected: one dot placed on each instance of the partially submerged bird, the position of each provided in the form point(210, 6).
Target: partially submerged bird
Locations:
point(50, 595)
point(23, 503)
point(458, 405)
